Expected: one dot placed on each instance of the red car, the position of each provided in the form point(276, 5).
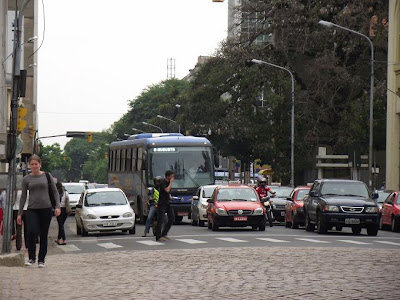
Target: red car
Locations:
point(390, 213)
point(235, 205)
point(294, 214)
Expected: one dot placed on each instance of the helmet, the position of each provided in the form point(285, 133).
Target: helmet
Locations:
point(262, 180)
point(157, 180)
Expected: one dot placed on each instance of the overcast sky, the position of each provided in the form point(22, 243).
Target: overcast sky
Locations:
point(99, 54)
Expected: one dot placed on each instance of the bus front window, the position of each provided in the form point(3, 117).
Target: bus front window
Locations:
point(192, 165)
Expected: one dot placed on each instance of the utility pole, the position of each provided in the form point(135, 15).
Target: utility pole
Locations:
point(12, 137)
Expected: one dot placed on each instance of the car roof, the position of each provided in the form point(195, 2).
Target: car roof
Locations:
point(337, 180)
point(73, 183)
point(235, 186)
point(99, 190)
point(302, 187)
point(209, 186)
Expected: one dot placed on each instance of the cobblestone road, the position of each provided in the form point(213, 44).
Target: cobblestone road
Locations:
point(217, 273)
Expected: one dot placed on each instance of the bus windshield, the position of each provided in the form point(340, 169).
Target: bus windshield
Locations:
point(192, 165)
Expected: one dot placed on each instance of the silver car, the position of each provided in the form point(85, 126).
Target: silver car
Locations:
point(74, 189)
point(199, 204)
point(104, 209)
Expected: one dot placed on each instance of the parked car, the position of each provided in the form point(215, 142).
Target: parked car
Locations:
point(390, 213)
point(382, 195)
point(74, 189)
point(279, 201)
point(294, 214)
point(198, 208)
point(341, 203)
point(104, 209)
point(235, 205)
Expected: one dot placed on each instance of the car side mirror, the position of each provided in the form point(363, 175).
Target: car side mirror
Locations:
point(289, 199)
point(79, 206)
point(195, 197)
point(314, 194)
point(210, 200)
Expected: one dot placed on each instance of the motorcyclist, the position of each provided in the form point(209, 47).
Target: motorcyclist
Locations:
point(262, 190)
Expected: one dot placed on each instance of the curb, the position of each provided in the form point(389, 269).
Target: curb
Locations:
point(12, 260)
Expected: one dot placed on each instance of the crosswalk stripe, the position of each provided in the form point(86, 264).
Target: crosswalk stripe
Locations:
point(313, 241)
point(272, 240)
point(388, 243)
point(69, 248)
point(232, 240)
point(353, 242)
point(109, 245)
point(191, 241)
point(151, 243)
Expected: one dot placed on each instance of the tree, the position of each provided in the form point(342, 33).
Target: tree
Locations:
point(54, 160)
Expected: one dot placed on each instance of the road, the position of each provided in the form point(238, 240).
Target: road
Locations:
point(185, 236)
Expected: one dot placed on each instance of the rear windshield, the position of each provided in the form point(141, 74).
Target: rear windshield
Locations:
point(75, 189)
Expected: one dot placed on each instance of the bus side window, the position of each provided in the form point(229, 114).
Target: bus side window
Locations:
point(134, 159)
point(140, 159)
point(123, 158)
point(113, 160)
point(118, 162)
point(128, 165)
point(110, 160)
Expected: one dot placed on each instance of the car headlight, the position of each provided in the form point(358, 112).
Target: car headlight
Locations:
point(372, 209)
point(90, 216)
point(204, 206)
point(331, 208)
point(258, 211)
point(127, 214)
point(221, 212)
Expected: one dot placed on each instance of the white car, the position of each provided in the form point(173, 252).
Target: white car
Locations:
point(104, 209)
point(74, 189)
point(199, 204)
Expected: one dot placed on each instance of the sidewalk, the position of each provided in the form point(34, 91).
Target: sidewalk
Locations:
point(216, 273)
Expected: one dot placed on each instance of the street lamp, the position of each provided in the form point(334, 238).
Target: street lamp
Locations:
point(162, 117)
point(371, 96)
point(260, 62)
point(133, 128)
point(145, 123)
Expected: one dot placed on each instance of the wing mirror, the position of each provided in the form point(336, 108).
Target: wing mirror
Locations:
point(375, 196)
point(195, 197)
point(314, 194)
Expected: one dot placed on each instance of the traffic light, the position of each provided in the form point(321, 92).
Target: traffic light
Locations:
point(20, 122)
point(90, 137)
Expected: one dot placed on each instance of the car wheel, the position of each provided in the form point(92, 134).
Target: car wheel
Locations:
point(356, 229)
point(395, 225)
point(309, 226)
point(214, 226)
point(321, 226)
point(84, 232)
point(372, 230)
point(261, 227)
point(78, 230)
point(295, 225)
point(287, 223)
point(194, 222)
point(338, 228)
point(200, 222)
point(133, 230)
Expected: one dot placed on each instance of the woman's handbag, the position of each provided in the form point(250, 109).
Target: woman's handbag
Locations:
point(51, 195)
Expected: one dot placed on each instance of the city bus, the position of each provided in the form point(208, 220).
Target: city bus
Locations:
point(133, 163)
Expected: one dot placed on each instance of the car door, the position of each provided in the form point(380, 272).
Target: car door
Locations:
point(386, 209)
point(78, 212)
point(313, 201)
point(289, 205)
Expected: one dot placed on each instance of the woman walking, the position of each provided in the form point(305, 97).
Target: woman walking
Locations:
point(65, 211)
point(39, 212)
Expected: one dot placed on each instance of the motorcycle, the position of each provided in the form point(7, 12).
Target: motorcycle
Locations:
point(267, 202)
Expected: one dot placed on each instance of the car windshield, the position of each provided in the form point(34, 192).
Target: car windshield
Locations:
point(282, 192)
point(352, 189)
point(237, 194)
point(382, 196)
point(207, 191)
point(105, 199)
point(74, 189)
point(301, 194)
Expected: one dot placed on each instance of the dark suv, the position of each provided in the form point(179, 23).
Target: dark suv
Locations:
point(341, 203)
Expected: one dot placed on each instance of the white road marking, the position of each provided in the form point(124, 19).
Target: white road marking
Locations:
point(191, 241)
point(313, 241)
point(353, 242)
point(151, 243)
point(109, 245)
point(272, 240)
point(232, 240)
point(69, 248)
point(388, 243)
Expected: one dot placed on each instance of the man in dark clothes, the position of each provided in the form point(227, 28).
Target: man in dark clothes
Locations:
point(165, 207)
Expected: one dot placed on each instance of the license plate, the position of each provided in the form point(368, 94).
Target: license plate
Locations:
point(182, 213)
point(282, 213)
point(352, 221)
point(240, 218)
point(109, 224)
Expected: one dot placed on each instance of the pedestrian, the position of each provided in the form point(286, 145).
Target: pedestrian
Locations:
point(42, 192)
point(17, 228)
point(153, 203)
point(165, 207)
point(65, 211)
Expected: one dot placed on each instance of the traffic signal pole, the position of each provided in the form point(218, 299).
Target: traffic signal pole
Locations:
point(12, 138)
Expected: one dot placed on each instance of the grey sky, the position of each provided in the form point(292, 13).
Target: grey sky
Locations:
point(99, 54)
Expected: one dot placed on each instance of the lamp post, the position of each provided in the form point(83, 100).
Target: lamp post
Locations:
point(162, 117)
point(145, 123)
point(133, 128)
point(260, 62)
point(371, 96)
